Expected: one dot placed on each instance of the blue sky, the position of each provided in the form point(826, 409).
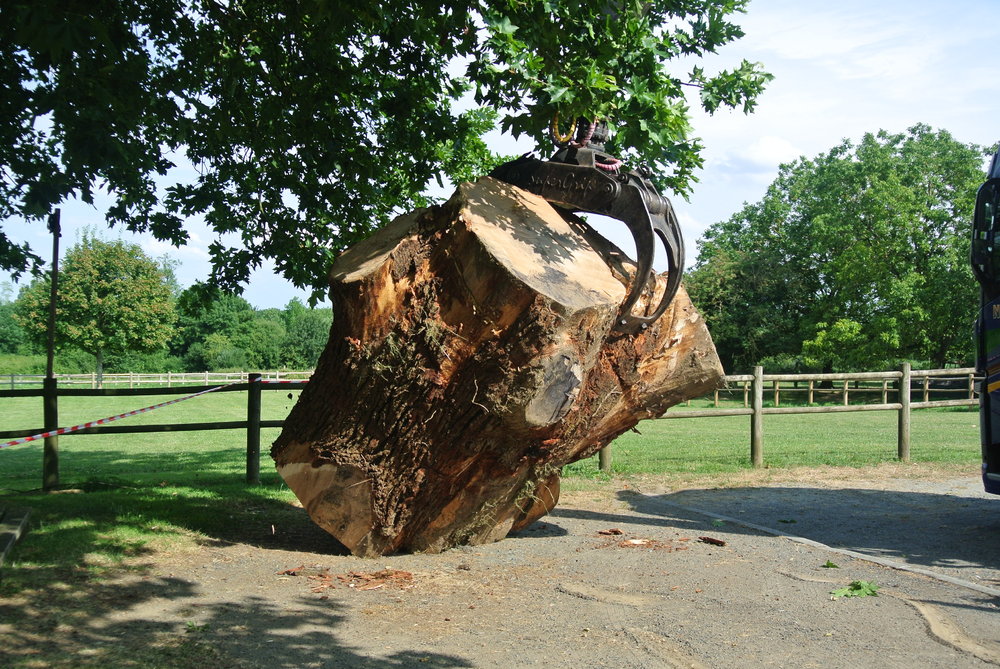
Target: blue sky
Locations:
point(841, 70)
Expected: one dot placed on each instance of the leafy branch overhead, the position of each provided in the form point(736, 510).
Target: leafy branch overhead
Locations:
point(310, 124)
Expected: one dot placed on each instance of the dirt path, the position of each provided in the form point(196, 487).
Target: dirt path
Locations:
point(572, 592)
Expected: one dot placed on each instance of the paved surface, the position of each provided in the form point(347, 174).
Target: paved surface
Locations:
point(950, 527)
point(612, 578)
point(616, 579)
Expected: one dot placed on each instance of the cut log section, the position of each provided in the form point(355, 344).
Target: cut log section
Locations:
point(471, 357)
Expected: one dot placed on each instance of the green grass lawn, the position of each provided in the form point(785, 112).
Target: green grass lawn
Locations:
point(143, 458)
point(710, 445)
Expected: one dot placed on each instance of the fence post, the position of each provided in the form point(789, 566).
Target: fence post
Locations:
point(777, 393)
point(845, 399)
point(812, 383)
point(972, 386)
point(927, 388)
point(757, 419)
point(903, 448)
point(253, 428)
point(604, 459)
point(885, 387)
point(50, 452)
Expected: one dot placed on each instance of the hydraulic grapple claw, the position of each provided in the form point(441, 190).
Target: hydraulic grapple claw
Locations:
point(587, 180)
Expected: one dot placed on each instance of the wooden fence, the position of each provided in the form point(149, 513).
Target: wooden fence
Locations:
point(253, 385)
point(882, 385)
point(137, 380)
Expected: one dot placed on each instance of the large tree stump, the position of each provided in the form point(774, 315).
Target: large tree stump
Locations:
point(471, 357)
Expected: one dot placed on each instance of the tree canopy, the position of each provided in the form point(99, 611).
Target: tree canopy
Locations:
point(853, 259)
point(308, 124)
point(113, 298)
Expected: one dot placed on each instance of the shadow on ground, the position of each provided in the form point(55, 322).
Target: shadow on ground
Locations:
point(957, 531)
point(952, 532)
point(78, 628)
point(64, 612)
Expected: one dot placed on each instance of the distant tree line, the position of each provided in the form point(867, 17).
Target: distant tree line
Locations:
point(855, 259)
point(122, 311)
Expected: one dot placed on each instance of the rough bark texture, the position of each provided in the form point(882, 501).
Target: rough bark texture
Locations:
point(470, 358)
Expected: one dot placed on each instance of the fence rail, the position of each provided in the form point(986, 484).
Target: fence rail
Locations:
point(137, 380)
point(962, 382)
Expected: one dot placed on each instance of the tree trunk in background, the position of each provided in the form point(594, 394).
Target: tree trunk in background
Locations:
point(471, 357)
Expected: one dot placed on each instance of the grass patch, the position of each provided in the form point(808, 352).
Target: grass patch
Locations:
point(706, 446)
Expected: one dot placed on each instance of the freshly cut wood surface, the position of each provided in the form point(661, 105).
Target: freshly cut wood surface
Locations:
point(472, 356)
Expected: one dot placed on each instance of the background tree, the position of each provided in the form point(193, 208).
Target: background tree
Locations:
point(12, 337)
point(307, 331)
point(113, 298)
point(310, 123)
point(856, 258)
point(205, 314)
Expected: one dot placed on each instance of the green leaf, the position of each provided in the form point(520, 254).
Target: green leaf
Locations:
point(856, 589)
point(557, 94)
point(306, 121)
point(503, 26)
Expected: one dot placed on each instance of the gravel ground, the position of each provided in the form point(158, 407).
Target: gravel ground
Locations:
point(617, 578)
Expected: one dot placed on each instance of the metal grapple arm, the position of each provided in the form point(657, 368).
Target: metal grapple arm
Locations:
point(584, 180)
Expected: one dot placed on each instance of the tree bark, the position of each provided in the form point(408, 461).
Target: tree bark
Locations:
point(472, 355)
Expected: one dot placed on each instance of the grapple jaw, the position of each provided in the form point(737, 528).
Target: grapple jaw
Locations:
point(585, 179)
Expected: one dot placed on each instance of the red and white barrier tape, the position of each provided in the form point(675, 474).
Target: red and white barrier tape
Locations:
point(110, 419)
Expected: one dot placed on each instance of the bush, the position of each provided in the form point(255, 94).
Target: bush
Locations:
point(11, 363)
point(71, 361)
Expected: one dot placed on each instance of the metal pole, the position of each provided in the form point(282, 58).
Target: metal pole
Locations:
point(757, 419)
point(50, 452)
point(253, 429)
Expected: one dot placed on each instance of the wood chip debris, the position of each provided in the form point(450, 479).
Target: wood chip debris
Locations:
point(669, 545)
point(323, 579)
point(651, 544)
